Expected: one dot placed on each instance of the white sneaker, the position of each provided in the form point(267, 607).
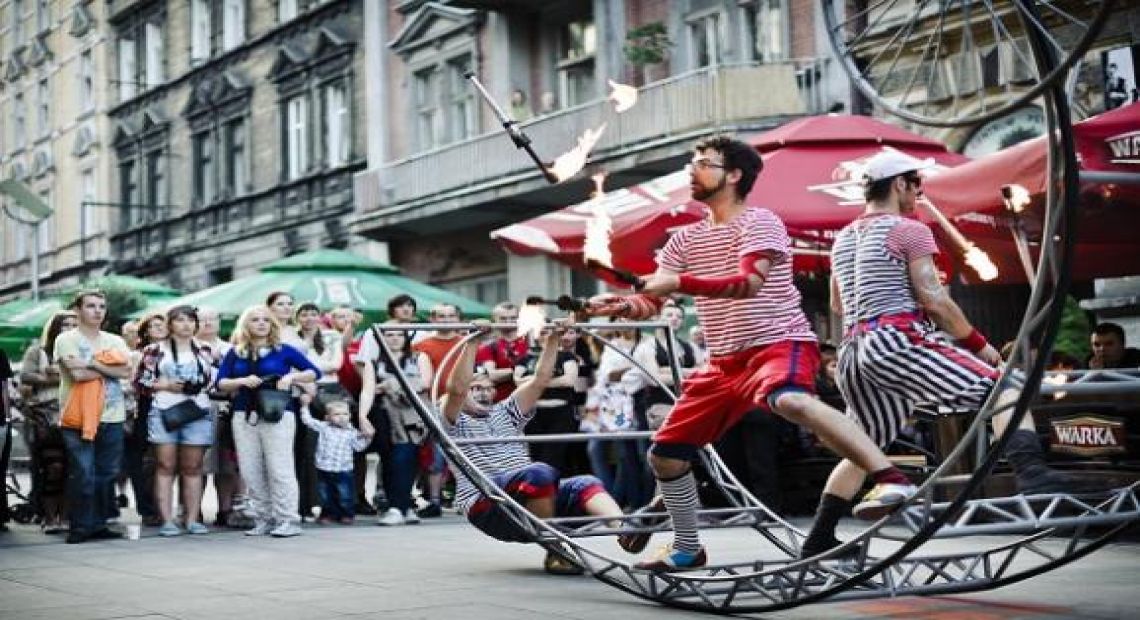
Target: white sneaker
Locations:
point(260, 528)
point(392, 517)
point(410, 517)
point(883, 499)
point(287, 529)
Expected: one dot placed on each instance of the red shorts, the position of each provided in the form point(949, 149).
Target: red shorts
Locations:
point(714, 399)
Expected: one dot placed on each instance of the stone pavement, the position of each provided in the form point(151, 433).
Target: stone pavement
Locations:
point(440, 569)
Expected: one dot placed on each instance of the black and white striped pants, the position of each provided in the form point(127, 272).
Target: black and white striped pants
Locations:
point(885, 372)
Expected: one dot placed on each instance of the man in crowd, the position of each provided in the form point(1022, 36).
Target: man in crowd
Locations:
point(499, 356)
point(435, 347)
point(93, 364)
point(1110, 350)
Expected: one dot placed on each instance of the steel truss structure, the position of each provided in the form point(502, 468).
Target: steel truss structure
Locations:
point(907, 553)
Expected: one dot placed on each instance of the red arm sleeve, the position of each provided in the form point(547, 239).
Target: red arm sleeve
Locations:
point(734, 287)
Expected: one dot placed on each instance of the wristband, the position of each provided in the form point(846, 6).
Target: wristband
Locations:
point(974, 341)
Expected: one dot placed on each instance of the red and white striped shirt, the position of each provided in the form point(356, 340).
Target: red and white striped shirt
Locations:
point(715, 250)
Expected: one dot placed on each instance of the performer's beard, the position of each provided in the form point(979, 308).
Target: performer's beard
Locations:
point(705, 192)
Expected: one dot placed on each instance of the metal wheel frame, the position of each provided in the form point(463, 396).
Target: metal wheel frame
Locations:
point(1023, 8)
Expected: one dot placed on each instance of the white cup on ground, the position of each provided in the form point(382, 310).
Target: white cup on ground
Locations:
point(134, 531)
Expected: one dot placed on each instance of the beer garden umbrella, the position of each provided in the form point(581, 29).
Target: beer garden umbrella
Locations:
point(22, 320)
point(328, 278)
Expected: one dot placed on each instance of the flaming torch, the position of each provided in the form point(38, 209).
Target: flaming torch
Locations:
point(1016, 198)
point(511, 126)
point(974, 256)
point(624, 96)
point(571, 162)
point(596, 249)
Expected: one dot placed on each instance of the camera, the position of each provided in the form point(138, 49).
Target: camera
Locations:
point(190, 388)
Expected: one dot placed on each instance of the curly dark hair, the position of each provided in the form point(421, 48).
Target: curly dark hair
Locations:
point(737, 156)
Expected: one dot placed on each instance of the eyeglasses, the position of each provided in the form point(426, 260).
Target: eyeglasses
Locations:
point(914, 181)
point(702, 164)
point(482, 388)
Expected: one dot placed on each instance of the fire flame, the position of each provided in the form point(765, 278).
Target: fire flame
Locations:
point(624, 96)
point(571, 162)
point(1016, 197)
point(980, 262)
point(532, 317)
point(598, 228)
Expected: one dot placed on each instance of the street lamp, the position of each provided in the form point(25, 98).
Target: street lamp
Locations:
point(33, 204)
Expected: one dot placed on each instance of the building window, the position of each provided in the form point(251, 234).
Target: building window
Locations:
point(87, 188)
point(43, 109)
point(233, 23)
point(43, 15)
point(87, 81)
point(199, 31)
point(17, 16)
point(427, 108)
point(766, 26)
point(46, 227)
point(204, 180)
point(461, 107)
point(337, 129)
point(19, 126)
point(128, 194)
point(296, 137)
point(286, 10)
point(237, 159)
point(154, 55)
point(578, 45)
point(155, 183)
point(128, 68)
point(704, 41)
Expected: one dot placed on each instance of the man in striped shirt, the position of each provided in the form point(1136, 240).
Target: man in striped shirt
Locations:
point(470, 411)
point(896, 354)
point(738, 264)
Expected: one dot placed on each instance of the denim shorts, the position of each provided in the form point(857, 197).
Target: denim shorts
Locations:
point(197, 433)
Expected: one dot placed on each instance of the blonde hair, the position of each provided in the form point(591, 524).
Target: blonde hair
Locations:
point(242, 338)
point(144, 326)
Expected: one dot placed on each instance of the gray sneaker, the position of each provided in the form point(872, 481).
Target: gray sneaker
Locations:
point(287, 529)
point(169, 529)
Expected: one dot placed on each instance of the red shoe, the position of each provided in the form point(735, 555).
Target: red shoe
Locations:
point(325, 521)
point(347, 520)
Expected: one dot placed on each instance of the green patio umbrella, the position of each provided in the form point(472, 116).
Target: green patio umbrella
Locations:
point(22, 320)
point(329, 278)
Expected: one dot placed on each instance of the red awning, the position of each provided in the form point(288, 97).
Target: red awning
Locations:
point(1110, 214)
point(808, 167)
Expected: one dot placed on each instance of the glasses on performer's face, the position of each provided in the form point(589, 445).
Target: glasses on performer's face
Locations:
point(481, 388)
point(702, 164)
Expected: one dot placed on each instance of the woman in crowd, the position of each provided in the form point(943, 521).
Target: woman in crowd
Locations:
point(280, 305)
point(653, 355)
point(138, 456)
point(176, 372)
point(403, 430)
point(48, 455)
point(221, 458)
point(609, 407)
point(259, 359)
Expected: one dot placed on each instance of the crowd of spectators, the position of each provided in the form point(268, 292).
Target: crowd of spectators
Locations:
point(280, 418)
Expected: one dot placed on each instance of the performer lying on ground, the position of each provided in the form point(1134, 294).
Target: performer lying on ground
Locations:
point(896, 353)
point(738, 264)
point(469, 411)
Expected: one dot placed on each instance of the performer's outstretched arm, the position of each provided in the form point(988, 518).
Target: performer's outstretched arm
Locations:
point(753, 272)
point(527, 394)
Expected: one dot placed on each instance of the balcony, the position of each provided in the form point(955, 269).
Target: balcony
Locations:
point(422, 193)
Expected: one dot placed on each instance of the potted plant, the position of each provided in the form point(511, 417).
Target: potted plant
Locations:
point(647, 46)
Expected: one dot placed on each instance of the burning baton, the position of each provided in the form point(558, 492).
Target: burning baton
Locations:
point(567, 165)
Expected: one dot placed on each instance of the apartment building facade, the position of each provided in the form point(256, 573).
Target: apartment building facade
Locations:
point(442, 174)
point(54, 140)
point(237, 129)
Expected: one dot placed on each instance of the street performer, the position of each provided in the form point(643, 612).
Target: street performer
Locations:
point(738, 265)
point(469, 410)
point(896, 353)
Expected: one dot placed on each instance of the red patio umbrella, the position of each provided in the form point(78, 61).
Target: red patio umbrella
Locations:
point(806, 164)
point(1109, 213)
